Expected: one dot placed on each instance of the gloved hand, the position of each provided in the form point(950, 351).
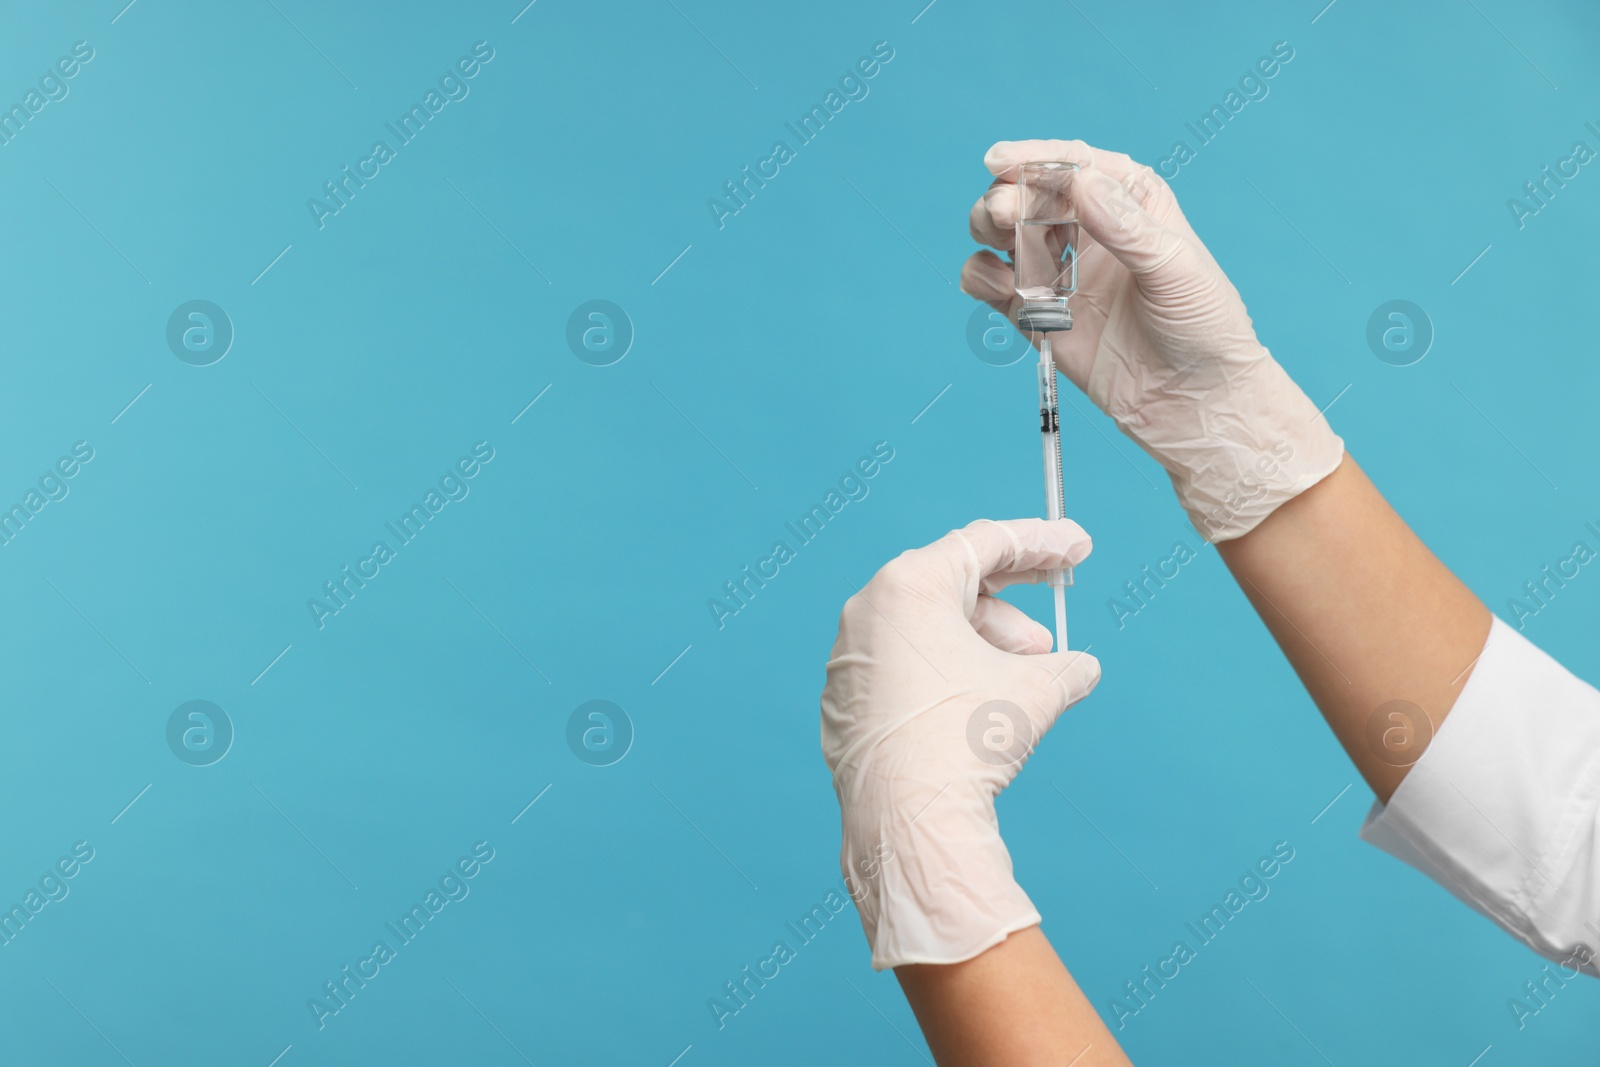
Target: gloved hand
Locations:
point(1161, 341)
point(936, 694)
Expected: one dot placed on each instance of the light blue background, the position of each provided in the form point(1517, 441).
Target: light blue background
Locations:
point(819, 320)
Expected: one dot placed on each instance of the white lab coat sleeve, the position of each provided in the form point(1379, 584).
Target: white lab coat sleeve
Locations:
point(1503, 808)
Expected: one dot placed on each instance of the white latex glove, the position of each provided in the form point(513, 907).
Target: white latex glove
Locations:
point(1161, 341)
point(936, 694)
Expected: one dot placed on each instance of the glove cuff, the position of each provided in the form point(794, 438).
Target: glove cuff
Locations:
point(935, 886)
point(1267, 445)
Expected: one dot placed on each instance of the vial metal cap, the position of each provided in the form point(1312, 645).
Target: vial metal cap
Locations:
point(1043, 319)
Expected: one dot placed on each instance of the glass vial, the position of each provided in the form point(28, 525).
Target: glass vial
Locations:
point(1046, 256)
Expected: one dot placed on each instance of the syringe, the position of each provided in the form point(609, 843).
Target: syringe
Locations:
point(1055, 494)
point(1045, 267)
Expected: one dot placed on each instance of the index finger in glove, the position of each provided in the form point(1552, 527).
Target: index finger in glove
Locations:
point(993, 218)
point(988, 555)
point(1004, 157)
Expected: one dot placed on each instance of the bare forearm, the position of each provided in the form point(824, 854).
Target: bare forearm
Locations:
point(1014, 1005)
point(1366, 615)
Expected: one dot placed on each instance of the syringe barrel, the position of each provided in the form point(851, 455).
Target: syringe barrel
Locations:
point(1050, 439)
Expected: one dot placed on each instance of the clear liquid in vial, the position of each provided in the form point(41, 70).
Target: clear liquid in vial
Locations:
point(1046, 258)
